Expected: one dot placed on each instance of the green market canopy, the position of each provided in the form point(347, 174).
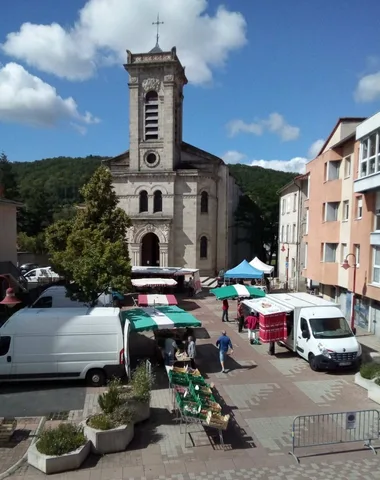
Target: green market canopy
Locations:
point(158, 318)
point(233, 291)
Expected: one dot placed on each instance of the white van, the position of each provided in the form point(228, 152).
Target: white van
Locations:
point(64, 343)
point(55, 297)
point(317, 330)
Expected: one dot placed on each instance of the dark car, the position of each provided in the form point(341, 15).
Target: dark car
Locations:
point(27, 267)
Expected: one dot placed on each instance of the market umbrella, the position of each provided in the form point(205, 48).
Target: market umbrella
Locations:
point(159, 318)
point(156, 299)
point(234, 291)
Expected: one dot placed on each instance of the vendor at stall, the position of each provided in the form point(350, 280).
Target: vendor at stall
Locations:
point(170, 349)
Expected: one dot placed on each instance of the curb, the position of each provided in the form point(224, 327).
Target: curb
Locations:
point(18, 464)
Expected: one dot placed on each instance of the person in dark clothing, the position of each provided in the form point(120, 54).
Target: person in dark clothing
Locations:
point(224, 343)
point(240, 316)
point(225, 308)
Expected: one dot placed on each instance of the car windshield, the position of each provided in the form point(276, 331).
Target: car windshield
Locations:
point(330, 328)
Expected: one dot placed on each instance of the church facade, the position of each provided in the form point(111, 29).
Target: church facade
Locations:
point(181, 199)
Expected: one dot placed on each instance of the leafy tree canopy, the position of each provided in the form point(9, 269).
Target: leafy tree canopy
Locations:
point(90, 250)
point(8, 179)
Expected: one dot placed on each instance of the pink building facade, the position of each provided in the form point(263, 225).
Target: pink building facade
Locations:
point(343, 211)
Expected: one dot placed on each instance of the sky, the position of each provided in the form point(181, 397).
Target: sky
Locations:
point(267, 79)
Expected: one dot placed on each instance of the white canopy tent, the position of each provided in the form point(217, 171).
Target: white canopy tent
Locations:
point(259, 265)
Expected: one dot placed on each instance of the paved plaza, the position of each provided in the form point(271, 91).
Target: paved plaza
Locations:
point(262, 394)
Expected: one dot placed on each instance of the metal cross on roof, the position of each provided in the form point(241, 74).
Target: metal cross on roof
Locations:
point(157, 23)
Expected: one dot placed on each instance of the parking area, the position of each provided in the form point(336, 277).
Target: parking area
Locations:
point(33, 399)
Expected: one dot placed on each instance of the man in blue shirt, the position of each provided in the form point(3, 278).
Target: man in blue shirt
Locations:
point(223, 343)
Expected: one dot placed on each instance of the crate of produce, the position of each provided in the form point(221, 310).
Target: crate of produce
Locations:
point(191, 409)
point(178, 378)
point(218, 421)
point(180, 370)
point(209, 403)
point(184, 396)
point(194, 373)
point(201, 390)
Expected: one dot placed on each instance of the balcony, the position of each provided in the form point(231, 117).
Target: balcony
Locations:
point(367, 183)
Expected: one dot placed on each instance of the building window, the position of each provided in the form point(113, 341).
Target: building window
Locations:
point(332, 170)
point(331, 210)
point(347, 167)
point(157, 201)
point(288, 205)
point(359, 207)
point(330, 252)
point(343, 252)
point(204, 202)
point(357, 254)
point(203, 247)
point(143, 205)
point(307, 221)
point(346, 210)
point(283, 206)
point(370, 155)
point(294, 236)
point(376, 265)
point(305, 259)
point(151, 116)
point(294, 202)
point(287, 234)
point(282, 234)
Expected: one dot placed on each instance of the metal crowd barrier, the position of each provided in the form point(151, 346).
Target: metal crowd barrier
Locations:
point(335, 428)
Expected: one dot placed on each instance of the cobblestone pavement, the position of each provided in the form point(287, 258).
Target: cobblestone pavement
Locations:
point(262, 394)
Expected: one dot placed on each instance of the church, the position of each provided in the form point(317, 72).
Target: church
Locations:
point(181, 199)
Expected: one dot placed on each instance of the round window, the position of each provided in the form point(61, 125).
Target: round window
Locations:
point(151, 158)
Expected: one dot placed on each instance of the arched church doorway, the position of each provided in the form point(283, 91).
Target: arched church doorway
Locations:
point(150, 250)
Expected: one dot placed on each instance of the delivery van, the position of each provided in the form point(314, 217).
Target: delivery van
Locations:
point(56, 297)
point(317, 330)
point(64, 343)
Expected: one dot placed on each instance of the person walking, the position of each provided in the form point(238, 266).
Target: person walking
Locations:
point(252, 322)
point(225, 308)
point(191, 352)
point(191, 287)
point(224, 343)
point(240, 314)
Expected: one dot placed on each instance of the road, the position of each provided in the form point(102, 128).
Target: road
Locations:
point(32, 399)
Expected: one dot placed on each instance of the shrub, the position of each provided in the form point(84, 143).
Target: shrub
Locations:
point(377, 381)
point(66, 438)
point(141, 384)
point(101, 422)
point(111, 400)
point(122, 415)
point(370, 370)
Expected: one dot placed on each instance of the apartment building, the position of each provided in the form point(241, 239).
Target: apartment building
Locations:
point(343, 203)
point(293, 224)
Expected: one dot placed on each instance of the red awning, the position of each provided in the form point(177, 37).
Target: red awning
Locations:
point(151, 300)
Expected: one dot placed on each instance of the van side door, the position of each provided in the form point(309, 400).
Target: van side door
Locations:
point(6, 350)
point(303, 337)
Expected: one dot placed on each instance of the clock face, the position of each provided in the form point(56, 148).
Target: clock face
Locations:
point(152, 159)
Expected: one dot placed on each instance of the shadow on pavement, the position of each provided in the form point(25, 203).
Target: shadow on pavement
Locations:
point(208, 360)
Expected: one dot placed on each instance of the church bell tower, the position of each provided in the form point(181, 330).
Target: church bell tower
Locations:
point(156, 81)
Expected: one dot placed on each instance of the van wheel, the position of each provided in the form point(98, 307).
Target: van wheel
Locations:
point(313, 363)
point(96, 378)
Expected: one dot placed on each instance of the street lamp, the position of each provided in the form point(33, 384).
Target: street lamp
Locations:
point(286, 264)
point(10, 299)
point(346, 266)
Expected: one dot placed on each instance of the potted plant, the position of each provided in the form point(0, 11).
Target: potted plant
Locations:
point(137, 394)
point(112, 430)
point(59, 449)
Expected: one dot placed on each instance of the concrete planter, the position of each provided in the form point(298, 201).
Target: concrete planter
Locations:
point(141, 411)
point(363, 382)
point(109, 441)
point(49, 464)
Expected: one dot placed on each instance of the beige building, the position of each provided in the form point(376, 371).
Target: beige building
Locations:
point(181, 199)
point(293, 223)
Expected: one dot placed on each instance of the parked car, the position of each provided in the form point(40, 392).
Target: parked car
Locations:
point(27, 267)
point(42, 275)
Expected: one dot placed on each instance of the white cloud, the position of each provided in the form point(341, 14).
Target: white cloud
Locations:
point(368, 88)
point(296, 164)
point(106, 28)
point(232, 156)
point(275, 123)
point(315, 148)
point(25, 98)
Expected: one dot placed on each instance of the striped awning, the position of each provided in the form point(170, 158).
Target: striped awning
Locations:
point(237, 291)
point(156, 300)
point(159, 318)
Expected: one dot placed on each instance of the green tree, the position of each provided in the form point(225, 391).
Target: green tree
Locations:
point(7, 178)
point(91, 250)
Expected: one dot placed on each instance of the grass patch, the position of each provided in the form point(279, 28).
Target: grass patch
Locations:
point(370, 370)
point(58, 441)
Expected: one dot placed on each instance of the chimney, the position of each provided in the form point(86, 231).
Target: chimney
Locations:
point(2, 189)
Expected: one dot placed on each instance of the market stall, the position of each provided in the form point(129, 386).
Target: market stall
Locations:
point(194, 401)
point(263, 267)
point(153, 282)
point(237, 291)
point(156, 300)
point(244, 271)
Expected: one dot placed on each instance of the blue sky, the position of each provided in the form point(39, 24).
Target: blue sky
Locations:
point(268, 80)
